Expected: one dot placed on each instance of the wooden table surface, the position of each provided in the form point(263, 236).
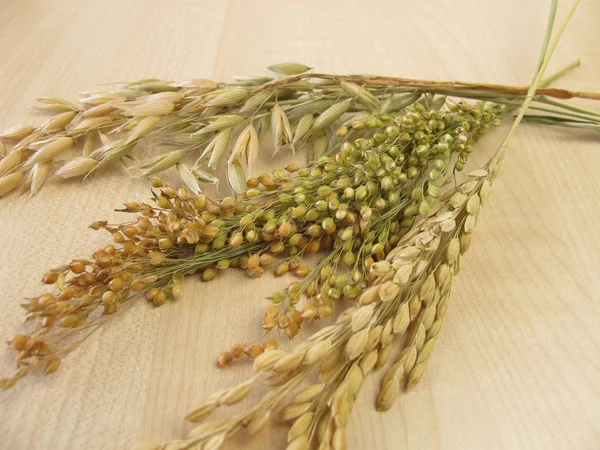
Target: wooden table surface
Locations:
point(518, 362)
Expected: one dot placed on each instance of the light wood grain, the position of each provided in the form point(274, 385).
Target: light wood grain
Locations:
point(517, 365)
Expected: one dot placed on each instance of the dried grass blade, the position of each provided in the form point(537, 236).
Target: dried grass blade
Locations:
point(400, 101)
point(116, 150)
point(104, 139)
point(211, 112)
point(356, 116)
point(95, 99)
point(27, 140)
point(264, 123)
point(173, 97)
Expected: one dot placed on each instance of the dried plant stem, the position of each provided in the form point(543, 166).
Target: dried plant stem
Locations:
point(447, 86)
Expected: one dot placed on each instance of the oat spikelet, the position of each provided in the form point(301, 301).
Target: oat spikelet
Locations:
point(188, 177)
point(228, 98)
point(90, 124)
point(303, 127)
point(151, 108)
point(10, 161)
point(289, 68)
point(10, 182)
point(280, 125)
point(16, 132)
point(77, 167)
point(236, 177)
point(330, 115)
point(49, 151)
point(320, 147)
point(256, 101)
point(58, 122)
point(40, 172)
point(161, 162)
point(143, 127)
point(217, 147)
point(219, 123)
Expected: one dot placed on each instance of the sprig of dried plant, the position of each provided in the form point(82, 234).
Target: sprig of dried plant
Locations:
point(379, 208)
point(409, 293)
point(408, 296)
point(214, 122)
point(356, 206)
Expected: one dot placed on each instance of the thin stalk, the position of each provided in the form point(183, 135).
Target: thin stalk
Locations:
point(567, 105)
point(561, 73)
point(430, 86)
point(550, 121)
point(578, 115)
point(546, 54)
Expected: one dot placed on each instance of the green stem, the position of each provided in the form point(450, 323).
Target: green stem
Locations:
point(545, 55)
point(550, 121)
point(561, 73)
point(556, 111)
point(567, 105)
